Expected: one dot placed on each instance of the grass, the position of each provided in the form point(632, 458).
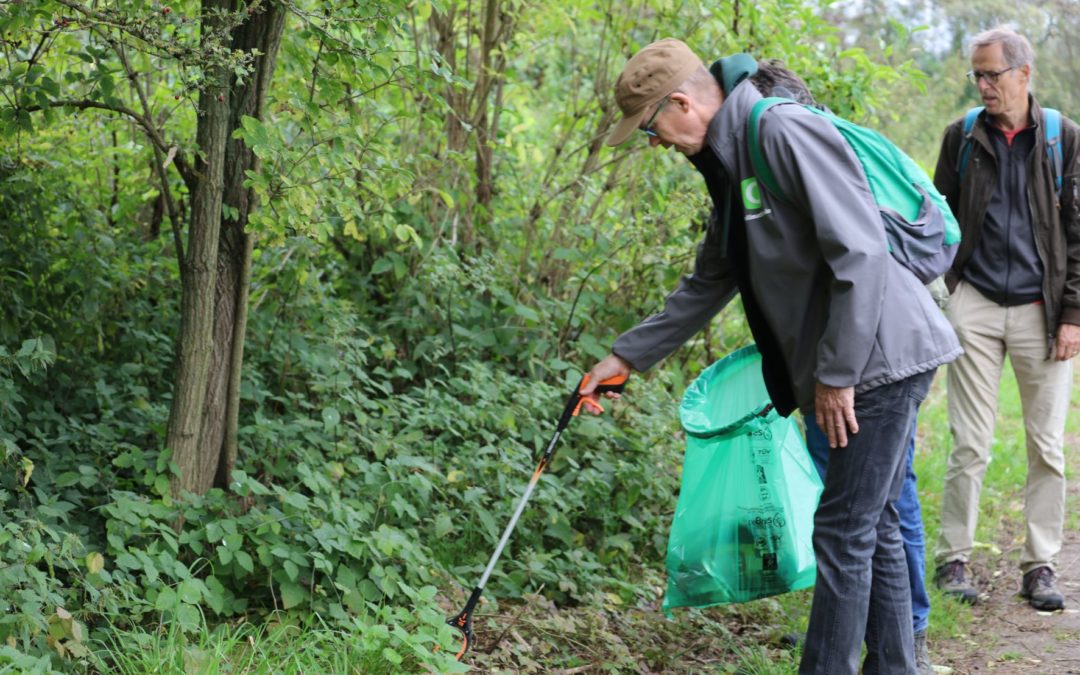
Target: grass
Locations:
point(241, 648)
point(269, 648)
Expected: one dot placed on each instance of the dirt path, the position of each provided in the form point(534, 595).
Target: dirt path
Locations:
point(1007, 635)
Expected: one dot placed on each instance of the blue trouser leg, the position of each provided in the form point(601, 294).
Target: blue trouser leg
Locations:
point(862, 579)
point(911, 524)
point(911, 531)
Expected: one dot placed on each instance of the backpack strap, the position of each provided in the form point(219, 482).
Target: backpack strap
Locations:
point(965, 151)
point(1052, 122)
point(757, 158)
point(1051, 125)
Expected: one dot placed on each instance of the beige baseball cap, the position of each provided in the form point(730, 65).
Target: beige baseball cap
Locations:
point(650, 75)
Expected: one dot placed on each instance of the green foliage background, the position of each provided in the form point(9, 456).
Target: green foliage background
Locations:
point(409, 344)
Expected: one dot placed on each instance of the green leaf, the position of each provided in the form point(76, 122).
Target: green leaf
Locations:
point(382, 266)
point(190, 591)
point(370, 590)
point(166, 599)
point(244, 561)
point(213, 532)
point(331, 417)
point(292, 595)
point(214, 594)
point(189, 617)
point(67, 479)
point(391, 656)
point(162, 486)
point(95, 562)
point(526, 312)
point(291, 570)
point(489, 524)
point(444, 525)
point(127, 561)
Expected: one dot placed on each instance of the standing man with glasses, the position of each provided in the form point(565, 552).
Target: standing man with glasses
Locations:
point(1015, 291)
point(846, 333)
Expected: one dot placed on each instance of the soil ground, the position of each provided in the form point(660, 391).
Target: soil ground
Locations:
point(1007, 635)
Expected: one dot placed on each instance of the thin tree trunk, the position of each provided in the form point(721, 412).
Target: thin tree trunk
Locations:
point(199, 279)
point(482, 120)
point(231, 448)
point(262, 33)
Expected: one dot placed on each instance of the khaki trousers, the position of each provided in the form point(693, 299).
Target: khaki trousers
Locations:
point(988, 331)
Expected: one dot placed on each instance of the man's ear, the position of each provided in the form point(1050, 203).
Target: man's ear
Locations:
point(680, 99)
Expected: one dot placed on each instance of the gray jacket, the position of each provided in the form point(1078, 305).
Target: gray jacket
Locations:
point(835, 304)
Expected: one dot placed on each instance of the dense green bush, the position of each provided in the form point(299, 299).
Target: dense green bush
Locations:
point(371, 470)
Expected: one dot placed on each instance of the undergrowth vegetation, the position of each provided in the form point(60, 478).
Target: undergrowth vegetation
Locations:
point(368, 481)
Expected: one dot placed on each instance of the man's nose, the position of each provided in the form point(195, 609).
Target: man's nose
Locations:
point(984, 85)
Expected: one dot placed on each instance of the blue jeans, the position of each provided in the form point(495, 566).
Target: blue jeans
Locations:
point(862, 590)
point(911, 524)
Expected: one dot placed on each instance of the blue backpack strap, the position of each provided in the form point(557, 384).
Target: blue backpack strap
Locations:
point(965, 151)
point(1052, 122)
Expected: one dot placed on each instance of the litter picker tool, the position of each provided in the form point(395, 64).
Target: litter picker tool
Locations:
point(463, 620)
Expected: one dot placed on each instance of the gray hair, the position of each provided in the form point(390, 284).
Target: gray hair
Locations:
point(1014, 46)
point(699, 80)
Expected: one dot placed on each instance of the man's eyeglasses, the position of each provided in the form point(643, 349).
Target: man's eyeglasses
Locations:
point(990, 76)
point(648, 128)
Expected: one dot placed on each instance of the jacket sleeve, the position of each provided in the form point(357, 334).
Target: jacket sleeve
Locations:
point(1070, 221)
point(946, 177)
point(817, 169)
point(698, 298)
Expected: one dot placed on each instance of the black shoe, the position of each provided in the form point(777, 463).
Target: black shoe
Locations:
point(1040, 589)
point(952, 579)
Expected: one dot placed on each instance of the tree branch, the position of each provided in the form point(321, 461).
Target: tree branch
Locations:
point(84, 104)
point(147, 117)
point(170, 206)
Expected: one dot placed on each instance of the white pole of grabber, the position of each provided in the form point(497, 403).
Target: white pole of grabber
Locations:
point(517, 513)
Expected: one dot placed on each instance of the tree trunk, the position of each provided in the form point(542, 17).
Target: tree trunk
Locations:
point(199, 278)
point(486, 77)
point(214, 455)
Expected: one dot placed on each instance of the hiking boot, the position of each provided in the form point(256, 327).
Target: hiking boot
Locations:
point(922, 655)
point(792, 640)
point(951, 579)
point(1040, 589)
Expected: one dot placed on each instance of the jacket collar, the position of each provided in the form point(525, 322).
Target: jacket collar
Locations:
point(981, 130)
point(727, 129)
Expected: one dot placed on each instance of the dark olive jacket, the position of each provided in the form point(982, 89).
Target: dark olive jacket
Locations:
point(1057, 226)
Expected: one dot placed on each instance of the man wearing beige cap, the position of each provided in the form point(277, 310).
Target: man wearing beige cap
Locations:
point(846, 333)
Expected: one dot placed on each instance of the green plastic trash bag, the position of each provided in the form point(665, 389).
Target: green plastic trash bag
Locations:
point(743, 525)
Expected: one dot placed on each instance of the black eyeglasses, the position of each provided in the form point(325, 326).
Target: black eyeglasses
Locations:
point(648, 128)
point(990, 76)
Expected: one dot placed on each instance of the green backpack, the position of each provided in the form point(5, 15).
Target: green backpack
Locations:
point(922, 232)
